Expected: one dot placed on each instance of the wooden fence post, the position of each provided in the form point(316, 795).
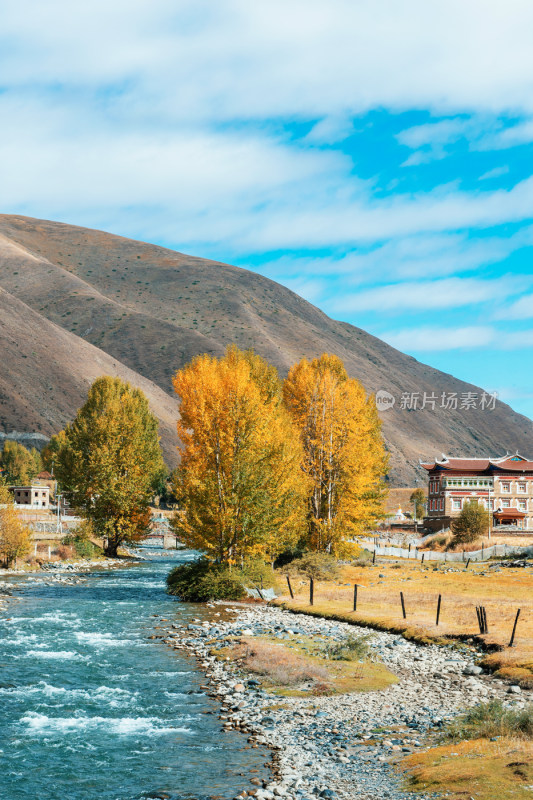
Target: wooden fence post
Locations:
point(355, 597)
point(423, 554)
point(311, 591)
point(467, 563)
point(511, 643)
point(485, 623)
point(290, 587)
point(403, 606)
point(374, 556)
point(438, 609)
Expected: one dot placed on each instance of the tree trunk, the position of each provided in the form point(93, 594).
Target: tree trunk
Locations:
point(111, 549)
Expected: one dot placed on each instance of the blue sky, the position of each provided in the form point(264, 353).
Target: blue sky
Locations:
point(377, 158)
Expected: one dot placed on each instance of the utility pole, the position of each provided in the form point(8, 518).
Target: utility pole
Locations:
point(59, 528)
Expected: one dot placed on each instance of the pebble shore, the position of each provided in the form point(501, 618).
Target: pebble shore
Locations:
point(340, 746)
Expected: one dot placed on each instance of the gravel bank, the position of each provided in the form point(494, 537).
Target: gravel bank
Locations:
point(343, 746)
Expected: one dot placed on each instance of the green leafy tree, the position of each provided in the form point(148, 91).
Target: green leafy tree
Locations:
point(471, 524)
point(418, 500)
point(18, 464)
point(111, 461)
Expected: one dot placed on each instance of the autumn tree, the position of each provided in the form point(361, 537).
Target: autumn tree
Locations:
point(418, 500)
point(15, 539)
point(239, 484)
point(18, 464)
point(343, 452)
point(50, 452)
point(110, 461)
point(471, 524)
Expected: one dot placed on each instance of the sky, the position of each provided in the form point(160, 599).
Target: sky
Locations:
point(375, 157)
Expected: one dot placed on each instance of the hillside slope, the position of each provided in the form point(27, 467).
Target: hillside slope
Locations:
point(153, 309)
point(46, 373)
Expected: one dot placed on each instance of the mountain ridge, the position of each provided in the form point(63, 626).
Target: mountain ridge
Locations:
point(152, 309)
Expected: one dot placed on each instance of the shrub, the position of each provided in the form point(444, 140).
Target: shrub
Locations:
point(278, 664)
point(83, 547)
point(64, 551)
point(257, 573)
point(320, 566)
point(202, 580)
point(353, 648)
point(491, 719)
point(471, 524)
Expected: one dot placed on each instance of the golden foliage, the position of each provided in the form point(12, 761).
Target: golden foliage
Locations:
point(344, 454)
point(14, 536)
point(239, 483)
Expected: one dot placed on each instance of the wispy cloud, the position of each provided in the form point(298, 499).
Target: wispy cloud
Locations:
point(433, 339)
point(437, 294)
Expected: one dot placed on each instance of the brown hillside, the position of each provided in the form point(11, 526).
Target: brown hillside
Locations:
point(46, 373)
point(153, 309)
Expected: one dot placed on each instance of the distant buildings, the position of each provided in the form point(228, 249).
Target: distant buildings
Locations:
point(35, 495)
point(503, 485)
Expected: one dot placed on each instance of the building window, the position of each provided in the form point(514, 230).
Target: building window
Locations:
point(506, 504)
point(456, 505)
point(522, 488)
point(522, 505)
point(506, 487)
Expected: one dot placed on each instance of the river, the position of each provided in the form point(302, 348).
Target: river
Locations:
point(91, 709)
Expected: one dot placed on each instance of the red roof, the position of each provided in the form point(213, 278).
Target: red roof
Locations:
point(45, 476)
point(507, 464)
point(459, 463)
point(509, 512)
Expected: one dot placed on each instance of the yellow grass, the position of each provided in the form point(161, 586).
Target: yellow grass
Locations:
point(379, 606)
point(287, 668)
point(478, 769)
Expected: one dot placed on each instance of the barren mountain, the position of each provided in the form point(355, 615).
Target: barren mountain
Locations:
point(151, 309)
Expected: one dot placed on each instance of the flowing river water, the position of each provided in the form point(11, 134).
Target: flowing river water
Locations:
point(91, 709)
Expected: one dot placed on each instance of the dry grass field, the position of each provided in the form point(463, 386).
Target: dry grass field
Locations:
point(301, 668)
point(500, 591)
point(480, 769)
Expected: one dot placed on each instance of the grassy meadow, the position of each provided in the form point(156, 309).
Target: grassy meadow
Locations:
point(500, 591)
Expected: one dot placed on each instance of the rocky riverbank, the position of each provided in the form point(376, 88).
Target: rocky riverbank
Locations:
point(340, 746)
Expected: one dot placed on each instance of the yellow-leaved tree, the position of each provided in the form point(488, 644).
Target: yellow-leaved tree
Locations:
point(109, 461)
point(15, 539)
point(239, 484)
point(344, 454)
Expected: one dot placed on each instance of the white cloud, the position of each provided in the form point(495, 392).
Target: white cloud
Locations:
point(241, 59)
point(520, 309)
point(435, 339)
point(428, 295)
point(497, 172)
point(438, 339)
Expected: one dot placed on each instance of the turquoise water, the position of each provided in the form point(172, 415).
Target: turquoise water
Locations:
point(90, 709)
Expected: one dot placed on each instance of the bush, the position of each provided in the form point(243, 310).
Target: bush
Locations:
point(202, 580)
point(64, 551)
point(353, 648)
point(256, 573)
point(471, 524)
point(83, 547)
point(319, 566)
point(491, 719)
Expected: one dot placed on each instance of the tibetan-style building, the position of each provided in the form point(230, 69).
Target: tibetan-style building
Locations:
point(503, 485)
